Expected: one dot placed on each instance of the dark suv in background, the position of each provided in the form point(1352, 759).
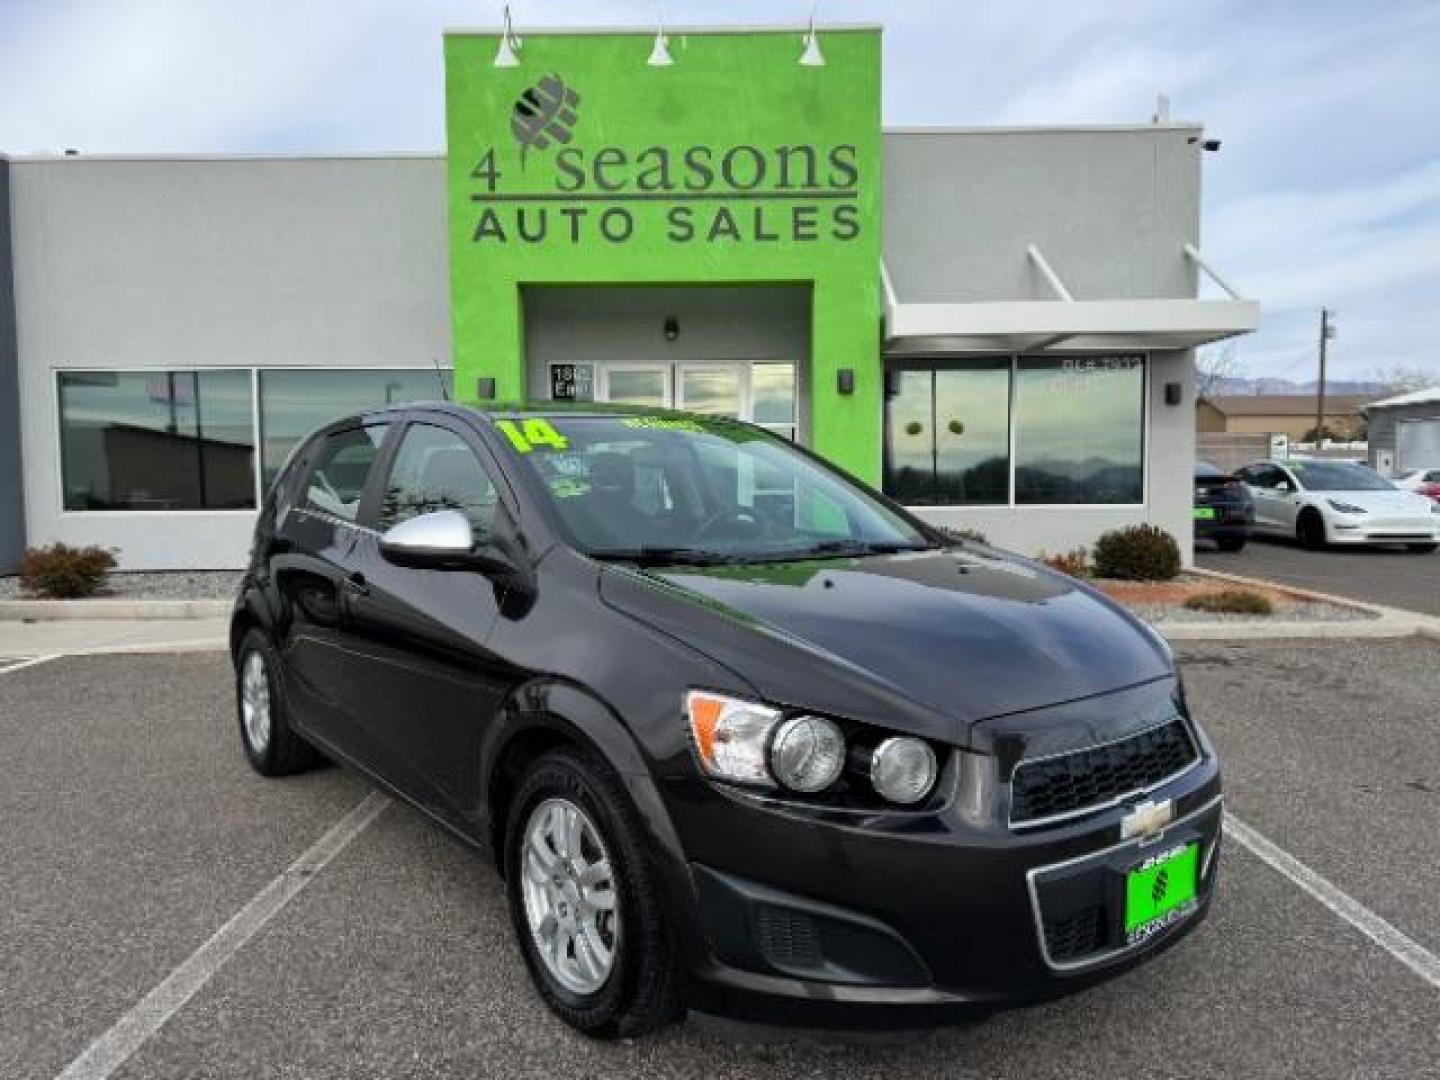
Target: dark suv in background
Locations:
point(1224, 510)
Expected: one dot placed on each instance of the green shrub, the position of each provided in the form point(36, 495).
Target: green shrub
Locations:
point(1233, 602)
point(1137, 553)
point(60, 572)
point(1076, 563)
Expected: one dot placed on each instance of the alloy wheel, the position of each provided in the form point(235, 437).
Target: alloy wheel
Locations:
point(569, 892)
point(255, 702)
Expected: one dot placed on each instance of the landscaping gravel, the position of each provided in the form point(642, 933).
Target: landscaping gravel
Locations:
point(1285, 611)
point(154, 585)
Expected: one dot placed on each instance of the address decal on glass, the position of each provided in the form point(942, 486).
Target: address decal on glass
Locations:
point(572, 382)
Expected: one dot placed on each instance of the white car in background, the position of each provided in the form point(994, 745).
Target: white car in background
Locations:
point(1425, 481)
point(1337, 502)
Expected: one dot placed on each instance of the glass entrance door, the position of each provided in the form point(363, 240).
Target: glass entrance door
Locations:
point(712, 389)
point(646, 385)
point(762, 391)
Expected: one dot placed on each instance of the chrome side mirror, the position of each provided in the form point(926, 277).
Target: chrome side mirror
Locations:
point(438, 540)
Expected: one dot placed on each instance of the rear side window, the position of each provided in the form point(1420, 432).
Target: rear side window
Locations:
point(342, 466)
point(435, 469)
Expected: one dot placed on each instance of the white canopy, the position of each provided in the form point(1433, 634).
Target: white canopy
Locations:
point(1064, 323)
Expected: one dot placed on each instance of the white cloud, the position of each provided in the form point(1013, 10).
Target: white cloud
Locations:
point(1325, 191)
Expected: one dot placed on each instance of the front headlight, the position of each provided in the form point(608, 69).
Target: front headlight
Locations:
point(1346, 508)
point(747, 742)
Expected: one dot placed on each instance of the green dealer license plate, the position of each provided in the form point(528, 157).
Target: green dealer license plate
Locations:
point(1160, 891)
point(1204, 513)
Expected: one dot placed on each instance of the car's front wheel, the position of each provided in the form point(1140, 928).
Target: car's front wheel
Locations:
point(271, 745)
point(585, 902)
point(1310, 530)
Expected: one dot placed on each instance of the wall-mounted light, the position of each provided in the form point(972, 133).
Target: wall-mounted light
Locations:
point(660, 53)
point(508, 54)
point(485, 388)
point(1173, 392)
point(812, 56)
point(672, 328)
point(845, 380)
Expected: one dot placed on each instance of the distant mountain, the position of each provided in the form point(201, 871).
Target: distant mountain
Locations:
point(1288, 386)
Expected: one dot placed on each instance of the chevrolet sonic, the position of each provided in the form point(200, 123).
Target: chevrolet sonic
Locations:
point(740, 734)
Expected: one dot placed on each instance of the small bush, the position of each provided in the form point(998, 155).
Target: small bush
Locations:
point(975, 536)
point(61, 572)
point(1075, 563)
point(1232, 602)
point(1137, 553)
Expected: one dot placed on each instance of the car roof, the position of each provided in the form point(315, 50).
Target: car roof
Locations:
point(518, 410)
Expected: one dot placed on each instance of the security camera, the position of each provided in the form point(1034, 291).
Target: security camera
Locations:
point(1212, 145)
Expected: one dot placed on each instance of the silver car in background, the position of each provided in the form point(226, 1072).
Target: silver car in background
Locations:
point(1338, 502)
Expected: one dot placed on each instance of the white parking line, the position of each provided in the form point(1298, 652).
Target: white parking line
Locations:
point(1404, 948)
point(130, 1032)
point(21, 665)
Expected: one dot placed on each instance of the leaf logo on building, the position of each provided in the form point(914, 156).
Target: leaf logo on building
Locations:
point(544, 113)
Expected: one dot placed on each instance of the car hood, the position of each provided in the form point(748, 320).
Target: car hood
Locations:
point(1379, 502)
point(962, 635)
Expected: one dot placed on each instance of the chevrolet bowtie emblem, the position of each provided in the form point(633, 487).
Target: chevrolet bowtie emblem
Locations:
point(1147, 820)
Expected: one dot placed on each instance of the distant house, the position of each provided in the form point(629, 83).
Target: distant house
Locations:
point(1405, 431)
point(1294, 414)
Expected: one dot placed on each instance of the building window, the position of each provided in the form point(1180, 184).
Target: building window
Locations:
point(1016, 431)
point(148, 440)
point(294, 402)
point(1080, 430)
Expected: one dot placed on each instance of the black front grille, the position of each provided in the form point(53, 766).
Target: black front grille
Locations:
point(1048, 787)
point(788, 938)
point(1076, 935)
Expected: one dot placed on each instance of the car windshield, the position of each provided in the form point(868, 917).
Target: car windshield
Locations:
point(671, 489)
point(1206, 470)
point(1338, 476)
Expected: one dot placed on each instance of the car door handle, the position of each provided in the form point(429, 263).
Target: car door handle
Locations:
point(356, 583)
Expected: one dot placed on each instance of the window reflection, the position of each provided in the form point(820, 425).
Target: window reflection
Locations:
point(166, 440)
point(295, 403)
point(1080, 430)
point(972, 435)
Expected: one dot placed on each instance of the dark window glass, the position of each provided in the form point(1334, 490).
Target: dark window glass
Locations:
point(167, 440)
point(947, 435)
point(435, 470)
point(1338, 476)
point(337, 479)
point(295, 403)
point(1079, 429)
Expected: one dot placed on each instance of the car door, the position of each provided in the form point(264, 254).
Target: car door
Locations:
point(429, 685)
point(313, 547)
point(1286, 500)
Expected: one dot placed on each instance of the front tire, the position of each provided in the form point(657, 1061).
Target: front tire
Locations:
point(271, 745)
point(1310, 530)
point(1230, 543)
point(1422, 549)
point(585, 900)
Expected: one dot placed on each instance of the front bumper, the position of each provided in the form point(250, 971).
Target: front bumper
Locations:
point(819, 919)
point(1354, 529)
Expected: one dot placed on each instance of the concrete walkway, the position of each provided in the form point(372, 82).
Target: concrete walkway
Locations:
point(68, 637)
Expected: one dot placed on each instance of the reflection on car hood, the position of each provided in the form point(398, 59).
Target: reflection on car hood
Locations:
point(1380, 502)
point(967, 635)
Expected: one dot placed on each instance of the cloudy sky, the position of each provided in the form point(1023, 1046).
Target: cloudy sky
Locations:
point(1326, 191)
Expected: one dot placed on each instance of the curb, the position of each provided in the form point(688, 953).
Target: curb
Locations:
point(1389, 622)
point(56, 610)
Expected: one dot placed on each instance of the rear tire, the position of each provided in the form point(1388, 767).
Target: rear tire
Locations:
point(1231, 543)
point(1422, 549)
point(639, 987)
point(1310, 530)
point(271, 745)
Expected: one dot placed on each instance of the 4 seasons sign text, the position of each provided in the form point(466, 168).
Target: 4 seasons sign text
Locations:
point(567, 192)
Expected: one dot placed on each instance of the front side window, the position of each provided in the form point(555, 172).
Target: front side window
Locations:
point(434, 470)
point(295, 402)
point(157, 440)
point(682, 488)
point(342, 466)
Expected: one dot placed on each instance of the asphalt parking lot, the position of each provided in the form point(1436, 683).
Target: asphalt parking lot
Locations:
point(132, 831)
point(1381, 574)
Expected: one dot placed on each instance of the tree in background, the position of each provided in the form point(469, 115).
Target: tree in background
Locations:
point(1215, 367)
point(1404, 379)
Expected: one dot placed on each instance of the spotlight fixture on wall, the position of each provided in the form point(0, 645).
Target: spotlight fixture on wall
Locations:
point(672, 328)
point(660, 54)
point(508, 54)
point(812, 56)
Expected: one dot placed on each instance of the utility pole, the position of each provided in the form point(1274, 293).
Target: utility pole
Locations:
point(1327, 331)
